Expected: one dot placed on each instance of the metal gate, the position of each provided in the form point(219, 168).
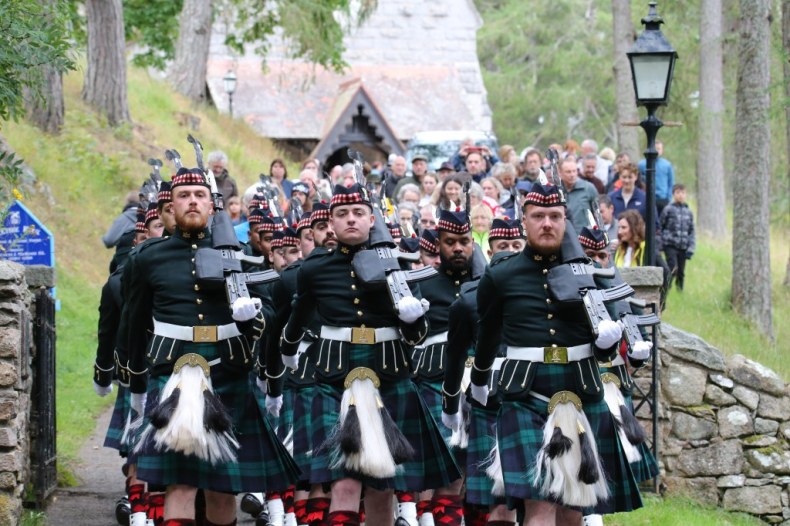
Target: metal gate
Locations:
point(42, 415)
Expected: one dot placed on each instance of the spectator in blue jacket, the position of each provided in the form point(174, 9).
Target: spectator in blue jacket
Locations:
point(677, 227)
point(665, 177)
point(629, 197)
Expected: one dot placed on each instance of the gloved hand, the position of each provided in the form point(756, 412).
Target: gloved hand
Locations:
point(452, 422)
point(480, 393)
point(262, 385)
point(273, 405)
point(609, 333)
point(641, 351)
point(410, 308)
point(138, 402)
point(245, 308)
point(292, 362)
point(102, 390)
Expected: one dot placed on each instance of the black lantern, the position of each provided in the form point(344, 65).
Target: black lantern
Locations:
point(652, 61)
point(229, 83)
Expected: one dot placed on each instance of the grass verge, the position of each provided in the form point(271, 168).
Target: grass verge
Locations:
point(679, 511)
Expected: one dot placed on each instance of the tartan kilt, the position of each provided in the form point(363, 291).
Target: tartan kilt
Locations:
point(520, 423)
point(433, 465)
point(482, 433)
point(647, 467)
point(123, 404)
point(431, 393)
point(302, 429)
point(262, 464)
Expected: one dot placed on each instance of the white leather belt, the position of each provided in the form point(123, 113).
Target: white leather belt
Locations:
point(364, 335)
point(436, 338)
point(198, 333)
point(617, 361)
point(550, 354)
point(303, 345)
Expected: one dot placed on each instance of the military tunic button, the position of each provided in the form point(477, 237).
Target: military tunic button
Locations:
point(545, 286)
point(353, 287)
point(457, 283)
point(356, 301)
point(193, 260)
point(353, 275)
point(200, 317)
point(194, 247)
point(359, 313)
point(193, 272)
point(197, 287)
point(457, 295)
point(550, 316)
point(545, 271)
point(199, 301)
point(548, 300)
point(552, 331)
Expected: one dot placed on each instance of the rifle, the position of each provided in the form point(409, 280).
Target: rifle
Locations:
point(173, 155)
point(553, 157)
point(218, 265)
point(574, 282)
point(271, 194)
point(379, 264)
point(222, 233)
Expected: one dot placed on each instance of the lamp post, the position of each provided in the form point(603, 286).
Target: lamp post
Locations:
point(229, 83)
point(652, 61)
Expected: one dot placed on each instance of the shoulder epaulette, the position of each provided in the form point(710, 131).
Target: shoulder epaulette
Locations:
point(151, 241)
point(469, 286)
point(318, 252)
point(499, 257)
point(293, 266)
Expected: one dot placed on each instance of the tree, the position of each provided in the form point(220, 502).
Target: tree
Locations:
point(751, 263)
point(32, 39)
point(105, 76)
point(187, 74)
point(786, 68)
point(625, 100)
point(711, 215)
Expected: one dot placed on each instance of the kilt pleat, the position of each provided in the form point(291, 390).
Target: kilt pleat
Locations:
point(433, 465)
point(647, 467)
point(263, 463)
point(482, 433)
point(302, 429)
point(118, 421)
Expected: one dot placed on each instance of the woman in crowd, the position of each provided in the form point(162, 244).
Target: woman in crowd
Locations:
point(481, 225)
point(631, 240)
point(427, 187)
point(449, 195)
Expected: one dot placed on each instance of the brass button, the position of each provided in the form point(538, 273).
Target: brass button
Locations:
point(193, 260)
point(197, 287)
point(552, 331)
point(545, 271)
point(353, 275)
point(548, 300)
point(359, 313)
point(457, 295)
point(550, 316)
point(553, 344)
point(200, 317)
point(194, 247)
point(356, 301)
point(457, 283)
point(353, 287)
point(193, 272)
point(545, 286)
point(199, 301)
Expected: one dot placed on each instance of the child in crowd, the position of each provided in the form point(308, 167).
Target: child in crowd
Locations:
point(677, 228)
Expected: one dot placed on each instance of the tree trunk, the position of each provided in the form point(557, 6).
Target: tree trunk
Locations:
point(786, 67)
point(46, 109)
point(623, 31)
point(751, 263)
point(105, 76)
point(711, 212)
point(188, 72)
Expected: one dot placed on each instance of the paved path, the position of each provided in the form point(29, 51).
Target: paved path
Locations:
point(92, 502)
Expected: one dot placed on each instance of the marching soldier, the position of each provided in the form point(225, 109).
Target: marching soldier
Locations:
point(384, 437)
point(197, 364)
point(506, 236)
point(552, 395)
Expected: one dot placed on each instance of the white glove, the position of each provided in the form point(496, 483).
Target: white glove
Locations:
point(641, 350)
point(291, 362)
point(609, 333)
point(273, 405)
point(101, 390)
point(138, 402)
point(245, 308)
point(452, 421)
point(262, 385)
point(480, 393)
point(410, 308)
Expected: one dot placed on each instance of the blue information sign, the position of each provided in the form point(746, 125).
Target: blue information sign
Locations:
point(24, 239)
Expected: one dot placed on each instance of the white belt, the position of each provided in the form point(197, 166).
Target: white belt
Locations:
point(550, 354)
point(198, 333)
point(617, 361)
point(436, 338)
point(303, 345)
point(365, 335)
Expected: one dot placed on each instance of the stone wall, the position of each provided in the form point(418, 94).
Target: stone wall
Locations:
point(16, 356)
point(724, 427)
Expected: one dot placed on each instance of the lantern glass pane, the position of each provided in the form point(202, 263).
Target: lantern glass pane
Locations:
point(652, 75)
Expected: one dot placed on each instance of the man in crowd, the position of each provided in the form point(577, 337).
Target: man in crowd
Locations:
point(580, 195)
point(665, 177)
point(218, 164)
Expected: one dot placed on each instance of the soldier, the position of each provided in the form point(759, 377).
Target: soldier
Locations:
point(552, 404)
point(506, 237)
point(363, 380)
point(164, 206)
point(429, 248)
point(197, 364)
point(456, 247)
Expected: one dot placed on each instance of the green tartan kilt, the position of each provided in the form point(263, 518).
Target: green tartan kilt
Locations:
point(520, 423)
point(647, 467)
point(433, 465)
point(302, 429)
point(482, 437)
point(283, 423)
point(263, 464)
point(118, 421)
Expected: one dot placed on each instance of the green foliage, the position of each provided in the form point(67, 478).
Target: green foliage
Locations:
point(676, 511)
point(31, 35)
point(33, 518)
point(154, 25)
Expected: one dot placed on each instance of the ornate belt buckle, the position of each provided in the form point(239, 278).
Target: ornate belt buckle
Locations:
point(363, 335)
point(469, 362)
point(611, 378)
point(204, 333)
point(555, 355)
point(605, 364)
